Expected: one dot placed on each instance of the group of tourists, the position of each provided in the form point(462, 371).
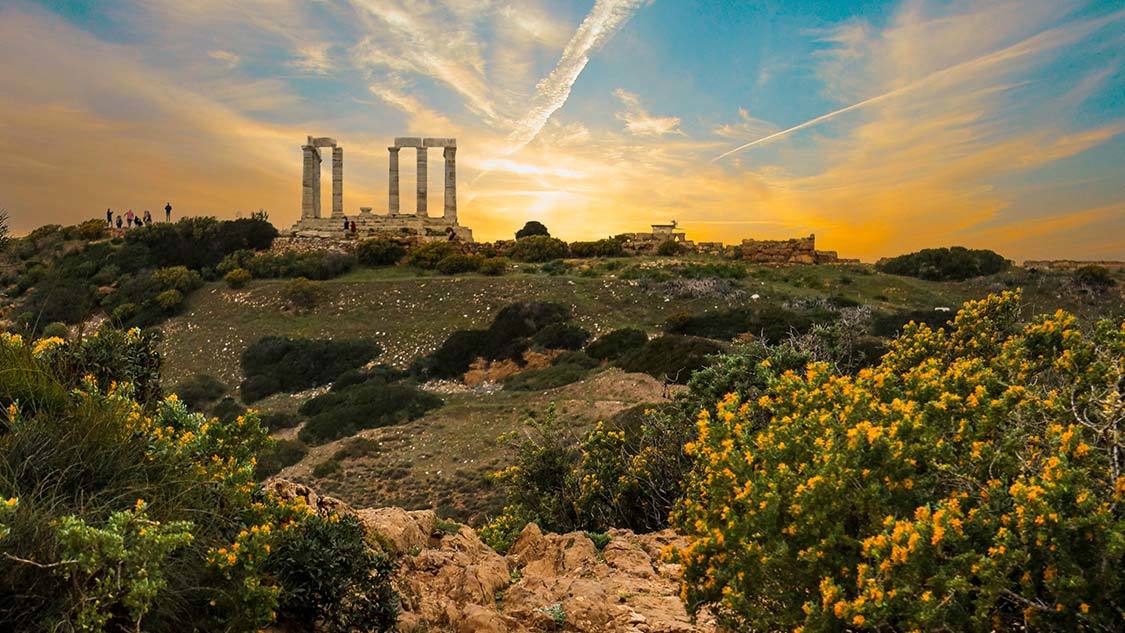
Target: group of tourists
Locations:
point(349, 226)
point(129, 220)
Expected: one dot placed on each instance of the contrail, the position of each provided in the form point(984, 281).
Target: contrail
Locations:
point(603, 21)
point(1052, 38)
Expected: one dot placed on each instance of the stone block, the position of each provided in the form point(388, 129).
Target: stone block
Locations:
point(439, 142)
point(408, 141)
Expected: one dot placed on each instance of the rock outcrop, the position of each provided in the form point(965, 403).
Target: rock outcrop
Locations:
point(450, 581)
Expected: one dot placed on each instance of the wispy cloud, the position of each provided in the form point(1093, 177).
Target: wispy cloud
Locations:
point(639, 122)
point(600, 25)
point(226, 58)
point(313, 58)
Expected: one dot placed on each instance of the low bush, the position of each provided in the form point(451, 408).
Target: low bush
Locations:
point(379, 252)
point(538, 248)
point(302, 294)
point(769, 322)
point(428, 255)
point(567, 368)
point(318, 265)
point(1093, 278)
point(561, 336)
point(338, 414)
point(56, 329)
point(494, 266)
point(228, 410)
point(945, 264)
point(617, 343)
point(669, 248)
point(555, 267)
point(277, 420)
point(670, 357)
point(608, 247)
point(889, 324)
point(712, 270)
point(964, 483)
point(276, 363)
point(278, 455)
point(238, 278)
point(459, 263)
point(200, 391)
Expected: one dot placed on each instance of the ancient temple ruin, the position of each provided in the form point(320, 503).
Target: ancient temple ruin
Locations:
point(417, 224)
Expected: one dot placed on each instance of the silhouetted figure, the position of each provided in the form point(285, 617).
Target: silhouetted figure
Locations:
point(345, 224)
point(353, 226)
point(109, 218)
point(129, 217)
point(148, 218)
point(168, 212)
point(118, 221)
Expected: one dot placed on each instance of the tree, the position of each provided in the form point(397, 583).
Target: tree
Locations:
point(533, 227)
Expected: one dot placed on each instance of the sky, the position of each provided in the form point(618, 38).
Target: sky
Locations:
point(881, 127)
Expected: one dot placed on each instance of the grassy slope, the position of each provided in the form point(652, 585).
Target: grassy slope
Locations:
point(440, 460)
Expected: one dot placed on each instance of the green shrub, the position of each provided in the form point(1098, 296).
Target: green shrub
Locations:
point(278, 455)
point(277, 420)
point(428, 255)
point(538, 248)
point(275, 363)
point(601, 248)
point(964, 483)
point(318, 265)
point(669, 248)
point(459, 263)
point(712, 270)
point(332, 580)
point(56, 329)
point(301, 293)
point(379, 252)
point(494, 266)
point(555, 267)
point(561, 336)
point(532, 228)
point(568, 368)
point(178, 278)
point(238, 278)
point(945, 264)
point(670, 357)
point(889, 324)
point(200, 391)
point(338, 414)
point(617, 343)
point(327, 468)
point(228, 410)
point(169, 299)
point(769, 322)
point(1093, 278)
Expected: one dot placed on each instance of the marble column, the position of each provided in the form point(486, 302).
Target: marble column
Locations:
point(337, 182)
point(392, 202)
point(309, 175)
point(420, 209)
point(451, 184)
point(316, 185)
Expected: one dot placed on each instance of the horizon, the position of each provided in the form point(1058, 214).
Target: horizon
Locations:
point(880, 127)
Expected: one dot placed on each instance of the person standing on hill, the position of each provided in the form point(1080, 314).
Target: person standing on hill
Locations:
point(129, 215)
point(118, 221)
point(168, 212)
point(148, 218)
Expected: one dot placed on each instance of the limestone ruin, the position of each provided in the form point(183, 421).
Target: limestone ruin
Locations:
point(417, 225)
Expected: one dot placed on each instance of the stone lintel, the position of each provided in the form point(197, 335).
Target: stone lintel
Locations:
point(408, 141)
point(322, 141)
point(439, 142)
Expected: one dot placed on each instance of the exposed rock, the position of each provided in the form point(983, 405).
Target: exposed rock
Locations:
point(290, 490)
point(547, 582)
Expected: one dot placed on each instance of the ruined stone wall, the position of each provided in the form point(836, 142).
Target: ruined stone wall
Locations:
point(1071, 264)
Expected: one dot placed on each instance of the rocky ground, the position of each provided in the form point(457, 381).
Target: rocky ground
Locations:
point(450, 581)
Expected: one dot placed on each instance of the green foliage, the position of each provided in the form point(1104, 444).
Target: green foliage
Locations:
point(327, 468)
point(945, 264)
point(712, 270)
point(459, 263)
point(428, 255)
point(56, 329)
point(228, 410)
point(302, 294)
point(670, 357)
point(277, 420)
point(889, 324)
point(608, 247)
point(278, 455)
point(531, 228)
point(200, 391)
point(318, 265)
point(567, 368)
point(617, 343)
point(368, 405)
point(669, 248)
point(238, 278)
point(107, 356)
point(1093, 278)
point(769, 322)
point(538, 248)
point(506, 338)
point(555, 267)
point(379, 252)
point(494, 266)
point(331, 579)
point(964, 483)
point(274, 363)
point(561, 336)
point(169, 299)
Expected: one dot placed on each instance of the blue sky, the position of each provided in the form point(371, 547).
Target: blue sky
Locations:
point(986, 123)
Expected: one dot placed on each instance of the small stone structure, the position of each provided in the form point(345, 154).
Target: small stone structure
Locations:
point(647, 243)
point(417, 225)
point(799, 250)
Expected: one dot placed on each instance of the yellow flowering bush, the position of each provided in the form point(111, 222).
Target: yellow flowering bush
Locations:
point(972, 480)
